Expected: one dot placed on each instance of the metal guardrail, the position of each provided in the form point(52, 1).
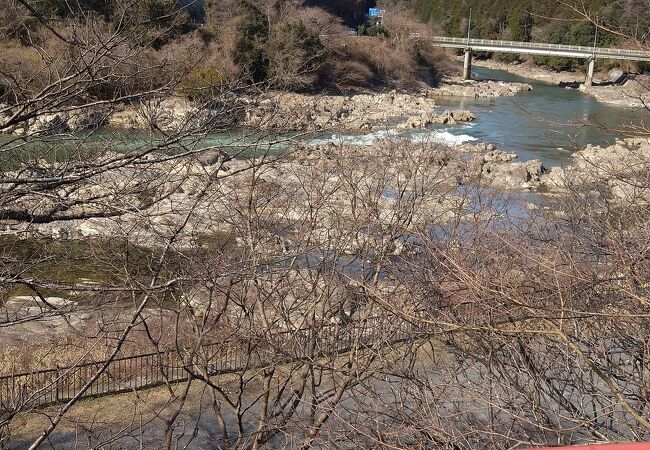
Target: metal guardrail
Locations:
point(599, 52)
point(124, 374)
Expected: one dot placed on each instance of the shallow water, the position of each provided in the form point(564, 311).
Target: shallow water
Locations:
point(548, 123)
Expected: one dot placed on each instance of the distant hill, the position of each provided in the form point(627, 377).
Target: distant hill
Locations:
point(352, 12)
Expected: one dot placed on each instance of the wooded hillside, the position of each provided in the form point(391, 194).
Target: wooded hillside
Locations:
point(285, 44)
point(553, 21)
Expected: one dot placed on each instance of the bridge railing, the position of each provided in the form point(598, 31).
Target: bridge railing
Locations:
point(542, 46)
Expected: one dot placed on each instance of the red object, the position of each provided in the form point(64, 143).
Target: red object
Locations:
point(626, 446)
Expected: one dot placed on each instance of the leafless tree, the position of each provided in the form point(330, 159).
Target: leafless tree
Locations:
point(383, 296)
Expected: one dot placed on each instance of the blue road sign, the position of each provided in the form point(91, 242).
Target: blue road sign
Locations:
point(374, 12)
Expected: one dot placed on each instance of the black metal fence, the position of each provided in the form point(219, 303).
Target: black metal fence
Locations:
point(123, 374)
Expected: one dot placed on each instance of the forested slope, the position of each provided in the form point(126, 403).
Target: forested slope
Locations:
point(286, 44)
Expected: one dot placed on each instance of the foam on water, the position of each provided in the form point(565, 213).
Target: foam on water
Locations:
point(356, 139)
point(443, 136)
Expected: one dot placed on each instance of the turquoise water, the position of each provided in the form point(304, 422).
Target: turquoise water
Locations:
point(239, 143)
point(548, 123)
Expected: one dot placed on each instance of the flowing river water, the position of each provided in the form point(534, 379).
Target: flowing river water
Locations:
point(548, 123)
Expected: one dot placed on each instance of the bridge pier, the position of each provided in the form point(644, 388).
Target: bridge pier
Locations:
point(467, 66)
point(590, 72)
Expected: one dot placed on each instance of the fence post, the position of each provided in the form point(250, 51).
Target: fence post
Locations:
point(57, 384)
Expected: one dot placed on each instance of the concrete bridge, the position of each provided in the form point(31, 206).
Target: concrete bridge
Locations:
point(534, 48)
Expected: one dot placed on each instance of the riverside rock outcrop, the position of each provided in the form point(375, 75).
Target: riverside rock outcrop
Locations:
point(478, 89)
point(447, 117)
point(498, 169)
point(524, 175)
point(70, 120)
point(358, 113)
point(619, 170)
point(168, 114)
point(633, 94)
point(363, 112)
point(273, 111)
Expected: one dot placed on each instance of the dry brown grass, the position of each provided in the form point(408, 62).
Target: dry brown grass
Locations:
point(69, 349)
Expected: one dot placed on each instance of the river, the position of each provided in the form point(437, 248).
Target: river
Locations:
point(548, 123)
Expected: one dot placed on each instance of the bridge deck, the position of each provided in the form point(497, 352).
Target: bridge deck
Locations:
point(571, 51)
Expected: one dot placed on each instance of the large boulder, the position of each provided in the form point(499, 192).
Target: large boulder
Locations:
point(519, 175)
point(621, 169)
point(169, 114)
point(49, 123)
point(5, 113)
point(459, 115)
point(421, 121)
point(615, 75)
point(212, 157)
point(127, 118)
point(463, 115)
point(498, 156)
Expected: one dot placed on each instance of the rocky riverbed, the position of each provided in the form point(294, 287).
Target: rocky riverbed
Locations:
point(322, 196)
point(635, 93)
point(293, 182)
point(275, 111)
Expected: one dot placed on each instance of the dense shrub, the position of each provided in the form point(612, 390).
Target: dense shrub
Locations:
point(386, 64)
point(65, 8)
point(293, 52)
point(20, 65)
point(202, 83)
point(375, 30)
point(289, 45)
